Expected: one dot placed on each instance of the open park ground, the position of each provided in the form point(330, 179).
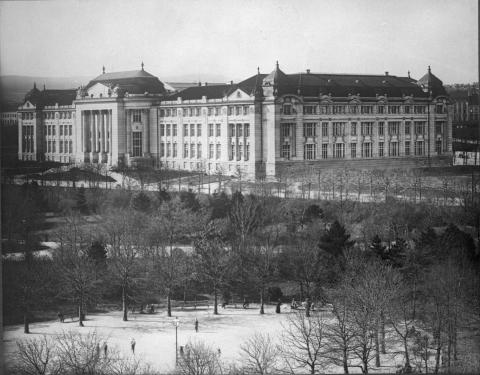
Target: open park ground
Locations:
point(155, 333)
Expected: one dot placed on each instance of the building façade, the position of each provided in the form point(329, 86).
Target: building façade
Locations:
point(258, 127)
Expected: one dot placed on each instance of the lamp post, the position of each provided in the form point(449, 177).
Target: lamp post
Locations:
point(176, 323)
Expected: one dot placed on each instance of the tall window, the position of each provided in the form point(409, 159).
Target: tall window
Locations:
point(137, 115)
point(324, 150)
point(353, 128)
point(210, 111)
point(192, 130)
point(324, 109)
point(246, 128)
point(238, 111)
point(439, 126)
point(285, 130)
point(199, 130)
point(232, 152)
point(407, 127)
point(309, 151)
point(339, 109)
point(393, 127)
point(393, 149)
point(185, 150)
point(419, 127)
point(174, 130)
point(420, 109)
point(199, 150)
point(287, 109)
point(168, 149)
point(407, 148)
point(245, 110)
point(381, 128)
point(217, 130)
point(61, 133)
point(210, 130)
point(438, 146)
point(309, 129)
point(353, 109)
point(353, 150)
point(367, 150)
point(309, 109)
point(239, 130)
point(136, 144)
point(366, 109)
point(381, 149)
point(218, 151)
point(419, 148)
point(162, 130)
point(210, 151)
point(240, 152)
point(60, 147)
point(324, 129)
point(192, 150)
point(406, 109)
point(232, 130)
point(286, 151)
point(367, 128)
point(175, 150)
point(185, 130)
point(217, 111)
point(247, 152)
point(393, 109)
point(339, 150)
point(168, 130)
point(338, 129)
point(380, 109)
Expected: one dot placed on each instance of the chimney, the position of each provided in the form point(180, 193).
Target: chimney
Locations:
point(199, 83)
point(231, 82)
point(206, 83)
point(386, 73)
point(308, 71)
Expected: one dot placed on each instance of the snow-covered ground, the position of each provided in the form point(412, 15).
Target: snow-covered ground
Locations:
point(155, 333)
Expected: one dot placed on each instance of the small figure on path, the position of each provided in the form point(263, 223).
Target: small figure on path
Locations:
point(293, 305)
point(181, 351)
point(105, 349)
point(61, 318)
point(277, 309)
point(219, 352)
point(97, 351)
point(132, 345)
point(245, 303)
point(196, 325)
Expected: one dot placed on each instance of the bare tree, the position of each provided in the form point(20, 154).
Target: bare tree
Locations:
point(199, 359)
point(37, 356)
point(304, 341)
point(260, 355)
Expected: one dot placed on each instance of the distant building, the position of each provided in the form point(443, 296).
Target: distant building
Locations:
point(260, 126)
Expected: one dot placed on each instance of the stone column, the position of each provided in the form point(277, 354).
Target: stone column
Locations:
point(102, 132)
point(91, 131)
point(127, 132)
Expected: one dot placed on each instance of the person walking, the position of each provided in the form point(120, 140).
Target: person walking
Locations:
point(132, 345)
point(97, 351)
point(105, 349)
point(196, 325)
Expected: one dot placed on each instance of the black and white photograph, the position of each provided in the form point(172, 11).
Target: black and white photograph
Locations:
point(244, 187)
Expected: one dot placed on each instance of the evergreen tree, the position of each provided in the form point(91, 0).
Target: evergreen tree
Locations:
point(377, 248)
point(396, 254)
point(82, 205)
point(335, 240)
point(163, 195)
point(141, 202)
point(97, 253)
point(189, 201)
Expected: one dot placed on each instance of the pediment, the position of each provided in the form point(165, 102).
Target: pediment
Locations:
point(99, 90)
point(238, 94)
point(27, 105)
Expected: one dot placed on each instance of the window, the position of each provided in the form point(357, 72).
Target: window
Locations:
point(407, 127)
point(381, 128)
point(53, 130)
point(285, 130)
point(232, 130)
point(309, 151)
point(324, 129)
point(353, 150)
point(199, 150)
point(210, 130)
point(71, 148)
point(366, 109)
point(324, 150)
point(199, 130)
point(245, 110)
point(324, 110)
point(240, 152)
point(393, 109)
point(309, 109)
point(137, 115)
point(238, 111)
point(197, 111)
point(419, 127)
point(338, 129)
point(185, 150)
point(191, 112)
point(339, 150)
point(192, 150)
point(69, 129)
point(231, 110)
point(174, 130)
point(174, 150)
point(185, 130)
point(286, 151)
point(137, 144)
point(61, 132)
point(367, 128)
point(168, 130)
point(162, 149)
point(192, 130)
point(339, 109)
point(247, 152)
point(381, 149)
point(210, 111)
point(287, 109)
point(380, 109)
point(353, 109)
point(218, 133)
point(438, 146)
point(309, 129)
point(393, 149)
point(439, 126)
point(246, 130)
point(440, 108)
point(419, 148)
point(184, 112)
point(169, 149)
point(353, 128)
point(406, 109)
point(420, 109)
point(217, 111)
point(60, 147)
point(218, 151)
point(232, 152)
point(366, 150)
point(407, 148)
point(162, 130)
point(393, 127)
point(239, 130)
point(210, 151)
point(162, 113)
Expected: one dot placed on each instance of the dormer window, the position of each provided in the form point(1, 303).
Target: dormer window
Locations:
point(287, 109)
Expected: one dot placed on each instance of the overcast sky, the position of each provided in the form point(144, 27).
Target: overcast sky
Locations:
point(230, 39)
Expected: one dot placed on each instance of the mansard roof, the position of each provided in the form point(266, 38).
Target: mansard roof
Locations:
point(209, 91)
point(133, 82)
point(430, 82)
point(50, 97)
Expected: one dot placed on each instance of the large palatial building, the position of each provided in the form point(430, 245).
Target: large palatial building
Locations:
point(260, 126)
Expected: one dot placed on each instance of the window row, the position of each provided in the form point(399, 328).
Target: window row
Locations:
point(239, 152)
point(339, 109)
point(239, 130)
point(64, 147)
point(191, 130)
point(237, 110)
point(28, 139)
point(63, 129)
point(365, 150)
point(61, 115)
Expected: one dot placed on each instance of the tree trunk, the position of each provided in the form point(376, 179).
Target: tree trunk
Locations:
point(262, 311)
point(26, 326)
point(215, 305)
point(377, 347)
point(169, 305)
point(345, 360)
point(437, 359)
point(382, 334)
point(80, 314)
point(124, 303)
point(407, 357)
